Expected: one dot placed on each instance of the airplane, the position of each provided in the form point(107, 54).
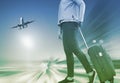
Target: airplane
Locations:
point(23, 24)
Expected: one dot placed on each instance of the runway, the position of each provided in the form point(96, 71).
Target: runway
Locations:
point(50, 71)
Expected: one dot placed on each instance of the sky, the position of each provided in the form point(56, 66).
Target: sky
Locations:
point(40, 40)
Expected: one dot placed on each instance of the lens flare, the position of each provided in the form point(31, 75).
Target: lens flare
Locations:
point(27, 42)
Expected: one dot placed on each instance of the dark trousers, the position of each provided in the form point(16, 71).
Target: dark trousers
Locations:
point(71, 45)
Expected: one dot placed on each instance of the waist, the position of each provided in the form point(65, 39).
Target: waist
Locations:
point(68, 21)
point(67, 26)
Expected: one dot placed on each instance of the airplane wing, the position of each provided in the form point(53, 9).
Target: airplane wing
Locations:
point(28, 22)
point(16, 26)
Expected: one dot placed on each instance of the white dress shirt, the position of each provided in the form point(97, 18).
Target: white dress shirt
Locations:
point(71, 11)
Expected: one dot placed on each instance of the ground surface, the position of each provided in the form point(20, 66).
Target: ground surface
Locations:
point(45, 72)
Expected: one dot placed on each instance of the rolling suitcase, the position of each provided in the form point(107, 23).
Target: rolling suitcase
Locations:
point(101, 62)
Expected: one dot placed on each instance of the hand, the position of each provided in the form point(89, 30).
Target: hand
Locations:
point(60, 33)
point(80, 24)
point(60, 36)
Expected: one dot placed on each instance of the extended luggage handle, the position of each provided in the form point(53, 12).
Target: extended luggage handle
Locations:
point(83, 38)
point(85, 42)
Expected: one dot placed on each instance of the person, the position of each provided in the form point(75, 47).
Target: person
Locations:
point(70, 18)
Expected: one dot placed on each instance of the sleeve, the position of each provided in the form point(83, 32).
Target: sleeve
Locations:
point(81, 3)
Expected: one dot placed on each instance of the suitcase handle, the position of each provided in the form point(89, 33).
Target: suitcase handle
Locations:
point(83, 38)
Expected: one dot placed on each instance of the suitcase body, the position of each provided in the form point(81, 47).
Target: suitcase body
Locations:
point(102, 63)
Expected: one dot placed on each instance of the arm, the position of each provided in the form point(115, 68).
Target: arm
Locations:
point(82, 11)
point(81, 4)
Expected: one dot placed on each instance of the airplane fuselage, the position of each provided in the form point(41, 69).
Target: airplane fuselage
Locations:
point(22, 24)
